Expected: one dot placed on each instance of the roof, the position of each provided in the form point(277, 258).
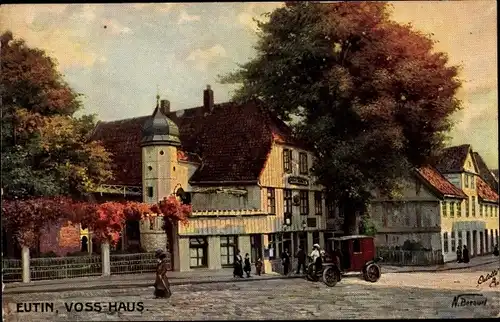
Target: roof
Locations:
point(232, 141)
point(484, 172)
point(452, 159)
point(160, 129)
point(495, 173)
point(350, 237)
point(485, 192)
point(439, 183)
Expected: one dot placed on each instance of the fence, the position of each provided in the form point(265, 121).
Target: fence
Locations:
point(410, 258)
point(277, 266)
point(82, 266)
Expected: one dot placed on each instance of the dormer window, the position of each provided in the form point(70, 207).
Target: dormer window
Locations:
point(303, 166)
point(287, 161)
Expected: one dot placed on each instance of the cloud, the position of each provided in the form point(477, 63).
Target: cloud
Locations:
point(158, 7)
point(116, 27)
point(185, 17)
point(255, 10)
point(202, 58)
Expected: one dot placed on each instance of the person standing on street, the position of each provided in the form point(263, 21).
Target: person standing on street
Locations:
point(238, 265)
point(465, 254)
point(459, 254)
point(258, 266)
point(248, 266)
point(162, 285)
point(495, 250)
point(301, 259)
point(285, 260)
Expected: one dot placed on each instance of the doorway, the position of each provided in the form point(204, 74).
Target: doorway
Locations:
point(481, 243)
point(474, 243)
point(256, 247)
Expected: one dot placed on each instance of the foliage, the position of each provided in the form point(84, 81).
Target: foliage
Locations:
point(369, 96)
point(412, 245)
point(45, 149)
point(367, 226)
point(26, 218)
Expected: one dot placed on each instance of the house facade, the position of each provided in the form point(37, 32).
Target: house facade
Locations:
point(247, 179)
point(442, 207)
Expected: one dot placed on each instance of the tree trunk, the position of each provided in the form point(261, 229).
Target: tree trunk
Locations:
point(352, 217)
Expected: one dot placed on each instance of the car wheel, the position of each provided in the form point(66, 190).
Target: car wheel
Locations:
point(331, 276)
point(372, 273)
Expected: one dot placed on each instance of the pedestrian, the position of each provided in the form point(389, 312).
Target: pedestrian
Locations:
point(285, 260)
point(258, 266)
point(238, 265)
point(316, 258)
point(248, 266)
point(301, 260)
point(465, 254)
point(495, 250)
point(162, 285)
point(459, 254)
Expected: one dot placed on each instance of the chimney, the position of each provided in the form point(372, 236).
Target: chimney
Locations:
point(165, 107)
point(208, 99)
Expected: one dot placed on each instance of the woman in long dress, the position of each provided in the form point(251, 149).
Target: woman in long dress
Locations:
point(162, 286)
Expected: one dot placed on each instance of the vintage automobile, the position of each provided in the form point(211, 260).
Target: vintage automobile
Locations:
point(348, 254)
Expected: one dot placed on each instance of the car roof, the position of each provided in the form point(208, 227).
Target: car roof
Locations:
point(350, 237)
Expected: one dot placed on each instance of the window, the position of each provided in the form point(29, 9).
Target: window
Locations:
point(452, 209)
point(228, 245)
point(330, 208)
point(466, 181)
point(150, 192)
point(287, 160)
point(460, 238)
point(467, 207)
point(272, 247)
point(459, 209)
point(318, 205)
point(271, 201)
point(445, 242)
point(453, 245)
point(198, 252)
point(356, 246)
point(443, 208)
point(287, 198)
point(472, 184)
point(473, 206)
point(303, 167)
point(304, 203)
point(480, 210)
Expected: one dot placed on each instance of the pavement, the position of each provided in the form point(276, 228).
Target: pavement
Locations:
point(395, 295)
point(202, 276)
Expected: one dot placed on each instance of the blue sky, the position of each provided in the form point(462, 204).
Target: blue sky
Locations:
point(183, 47)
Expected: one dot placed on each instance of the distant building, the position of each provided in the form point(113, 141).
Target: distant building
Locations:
point(443, 207)
point(239, 167)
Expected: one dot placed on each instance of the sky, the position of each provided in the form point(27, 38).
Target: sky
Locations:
point(120, 55)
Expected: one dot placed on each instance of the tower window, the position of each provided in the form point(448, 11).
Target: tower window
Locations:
point(150, 192)
point(161, 152)
point(150, 168)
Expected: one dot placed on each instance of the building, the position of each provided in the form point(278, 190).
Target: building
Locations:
point(247, 179)
point(443, 207)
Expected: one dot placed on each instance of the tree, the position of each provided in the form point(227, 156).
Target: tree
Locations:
point(46, 151)
point(369, 96)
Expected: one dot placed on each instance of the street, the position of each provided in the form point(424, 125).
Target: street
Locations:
point(396, 295)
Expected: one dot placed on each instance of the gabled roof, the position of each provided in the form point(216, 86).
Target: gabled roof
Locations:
point(232, 141)
point(484, 172)
point(485, 192)
point(452, 159)
point(439, 183)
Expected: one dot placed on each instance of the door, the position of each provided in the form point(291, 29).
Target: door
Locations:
point(474, 243)
point(357, 259)
point(481, 243)
point(256, 243)
point(468, 241)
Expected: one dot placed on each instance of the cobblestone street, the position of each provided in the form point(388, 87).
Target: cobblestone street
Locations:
point(406, 295)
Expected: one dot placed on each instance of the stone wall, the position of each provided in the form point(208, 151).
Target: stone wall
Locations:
point(61, 239)
point(153, 235)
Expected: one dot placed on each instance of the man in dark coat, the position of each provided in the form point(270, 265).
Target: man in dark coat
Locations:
point(495, 251)
point(238, 265)
point(301, 259)
point(285, 260)
point(465, 254)
point(459, 254)
point(162, 285)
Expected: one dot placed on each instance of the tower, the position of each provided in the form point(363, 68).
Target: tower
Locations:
point(160, 139)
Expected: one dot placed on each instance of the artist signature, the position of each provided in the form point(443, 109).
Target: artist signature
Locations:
point(492, 277)
point(464, 300)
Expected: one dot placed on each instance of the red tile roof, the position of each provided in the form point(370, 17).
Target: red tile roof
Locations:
point(437, 181)
point(484, 172)
point(452, 159)
point(233, 142)
point(485, 192)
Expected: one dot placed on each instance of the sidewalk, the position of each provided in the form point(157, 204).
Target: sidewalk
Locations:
point(474, 262)
point(203, 276)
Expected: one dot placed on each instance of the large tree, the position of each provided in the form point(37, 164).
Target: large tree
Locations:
point(371, 97)
point(45, 148)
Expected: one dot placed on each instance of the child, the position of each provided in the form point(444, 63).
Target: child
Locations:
point(248, 266)
point(258, 266)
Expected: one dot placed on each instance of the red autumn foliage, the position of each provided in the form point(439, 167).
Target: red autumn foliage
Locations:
point(26, 218)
